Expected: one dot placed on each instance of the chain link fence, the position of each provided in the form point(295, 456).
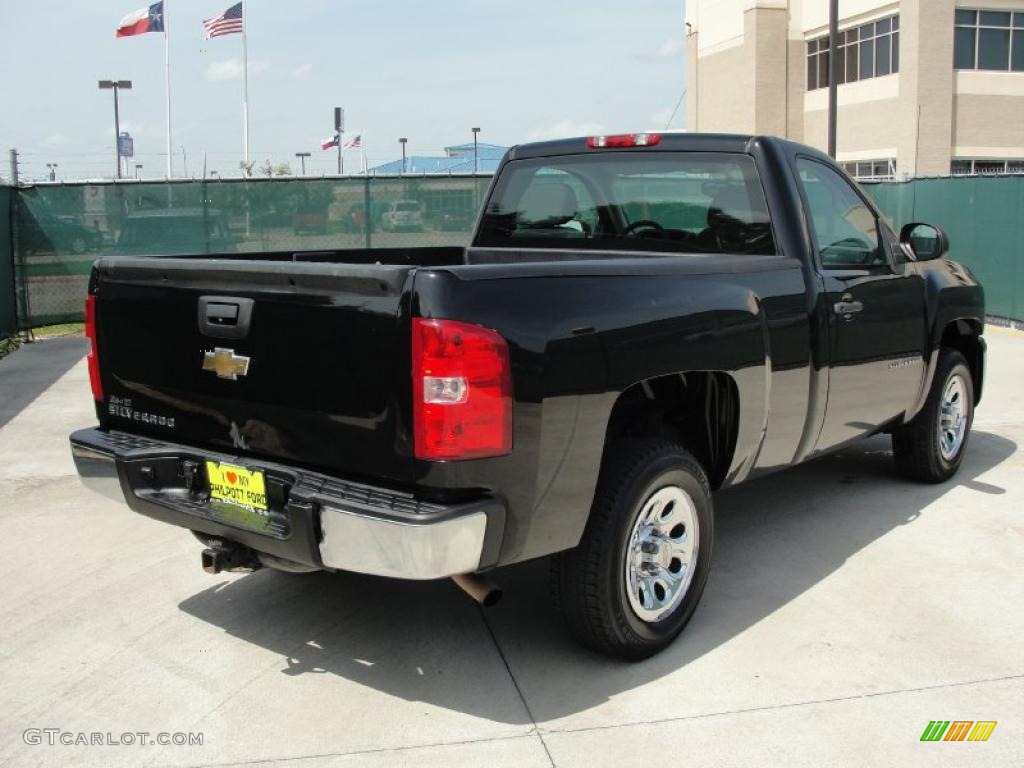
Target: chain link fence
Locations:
point(52, 233)
point(59, 230)
point(8, 310)
point(984, 218)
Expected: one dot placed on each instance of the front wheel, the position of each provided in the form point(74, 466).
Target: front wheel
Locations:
point(931, 446)
point(639, 571)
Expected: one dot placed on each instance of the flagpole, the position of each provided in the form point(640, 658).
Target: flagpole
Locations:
point(167, 83)
point(245, 91)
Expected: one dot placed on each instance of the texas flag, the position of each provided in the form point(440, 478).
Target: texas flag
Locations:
point(149, 19)
point(331, 142)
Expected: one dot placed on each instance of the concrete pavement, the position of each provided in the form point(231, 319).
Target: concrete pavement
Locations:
point(846, 609)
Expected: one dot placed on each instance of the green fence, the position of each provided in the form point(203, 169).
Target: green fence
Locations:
point(984, 218)
point(8, 309)
point(58, 230)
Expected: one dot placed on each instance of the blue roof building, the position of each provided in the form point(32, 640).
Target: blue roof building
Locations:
point(456, 159)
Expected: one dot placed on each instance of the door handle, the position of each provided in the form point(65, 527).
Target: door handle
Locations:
point(847, 306)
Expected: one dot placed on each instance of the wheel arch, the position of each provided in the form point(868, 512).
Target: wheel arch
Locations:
point(699, 409)
point(965, 336)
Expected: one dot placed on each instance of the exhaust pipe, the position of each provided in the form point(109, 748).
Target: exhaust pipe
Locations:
point(217, 559)
point(480, 588)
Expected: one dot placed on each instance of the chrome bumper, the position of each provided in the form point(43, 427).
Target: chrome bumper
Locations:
point(326, 522)
point(98, 471)
point(355, 542)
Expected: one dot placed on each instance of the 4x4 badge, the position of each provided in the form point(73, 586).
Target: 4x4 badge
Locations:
point(225, 363)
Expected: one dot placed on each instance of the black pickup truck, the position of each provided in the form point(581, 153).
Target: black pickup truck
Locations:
point(640, 320)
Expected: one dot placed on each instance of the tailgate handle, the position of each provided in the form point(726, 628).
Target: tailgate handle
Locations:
point(224, 317)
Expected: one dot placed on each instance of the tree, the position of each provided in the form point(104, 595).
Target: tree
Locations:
point(268, 169)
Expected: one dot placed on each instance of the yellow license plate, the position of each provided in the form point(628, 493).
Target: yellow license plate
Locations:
point(237, 485)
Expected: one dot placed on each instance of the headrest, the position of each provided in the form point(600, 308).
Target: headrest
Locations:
point(731, 204)
point(548, 204)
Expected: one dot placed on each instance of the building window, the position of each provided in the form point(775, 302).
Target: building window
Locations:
point(990, 40)
point(865, 51)
point(871, 170)
point(965, 167)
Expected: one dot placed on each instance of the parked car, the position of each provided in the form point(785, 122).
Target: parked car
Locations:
point(46, 232)
point(576, 383)
point(174, 231)
point(404, 215)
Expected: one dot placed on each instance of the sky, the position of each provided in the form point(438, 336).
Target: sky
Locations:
point(429, 71)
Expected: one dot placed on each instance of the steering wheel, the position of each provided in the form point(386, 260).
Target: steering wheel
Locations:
point(642, 224)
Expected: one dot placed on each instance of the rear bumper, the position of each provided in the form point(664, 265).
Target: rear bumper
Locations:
point(313, 519)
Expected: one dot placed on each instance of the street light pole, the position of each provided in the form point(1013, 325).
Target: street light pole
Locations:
point(403, 141)
point(53, 171)
point(115, 85)
point(302, 157)
point(476, 155)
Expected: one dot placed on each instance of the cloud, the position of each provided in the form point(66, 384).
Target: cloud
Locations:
point(231, 69)
point(302, 71)
point(56, 140)
point(565, 129)
point(671, 48)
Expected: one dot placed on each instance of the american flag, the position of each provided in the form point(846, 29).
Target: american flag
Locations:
point(353, 142)
point(228, 23)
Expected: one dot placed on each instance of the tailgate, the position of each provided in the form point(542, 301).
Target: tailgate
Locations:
point(307, 363)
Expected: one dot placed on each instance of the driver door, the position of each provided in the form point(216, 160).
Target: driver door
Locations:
point(875, 305)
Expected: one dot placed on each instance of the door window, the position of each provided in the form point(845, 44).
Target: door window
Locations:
point(845, 228)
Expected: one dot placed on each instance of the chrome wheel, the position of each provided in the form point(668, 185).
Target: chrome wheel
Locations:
point(661, 555)
point(952, 417)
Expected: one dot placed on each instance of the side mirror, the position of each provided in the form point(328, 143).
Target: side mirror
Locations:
point(923, 241)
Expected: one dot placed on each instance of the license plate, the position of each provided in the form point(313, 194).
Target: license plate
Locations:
point(237, 485)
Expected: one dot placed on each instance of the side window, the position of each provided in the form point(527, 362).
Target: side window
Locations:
point(846, 229)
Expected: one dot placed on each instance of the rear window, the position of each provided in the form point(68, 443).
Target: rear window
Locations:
point(674, 202)
point(407, 207)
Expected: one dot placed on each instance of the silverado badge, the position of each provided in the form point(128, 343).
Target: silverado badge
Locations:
point(225, 363)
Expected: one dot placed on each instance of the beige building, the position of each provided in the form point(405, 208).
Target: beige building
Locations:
point(928, 87)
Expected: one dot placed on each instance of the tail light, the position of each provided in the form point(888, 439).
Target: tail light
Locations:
point(462, 391)
point(624, 140)
point(93, 358)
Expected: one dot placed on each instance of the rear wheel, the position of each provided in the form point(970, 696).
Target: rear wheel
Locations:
point(931, 447)
point(637, 575)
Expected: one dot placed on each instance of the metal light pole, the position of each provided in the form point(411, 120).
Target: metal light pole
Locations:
point(476, 155)
point(53, 171)
point(833, 74)
point(115, 85)
point(339, 129)
point(403, 141)
point(302, 157)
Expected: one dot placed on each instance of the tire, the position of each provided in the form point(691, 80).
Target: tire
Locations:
point(930, 448)
point(592, 584)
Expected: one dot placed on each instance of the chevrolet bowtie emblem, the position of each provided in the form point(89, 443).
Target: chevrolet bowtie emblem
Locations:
point(225, 363)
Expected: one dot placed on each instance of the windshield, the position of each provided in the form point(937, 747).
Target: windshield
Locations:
point(666, 201)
